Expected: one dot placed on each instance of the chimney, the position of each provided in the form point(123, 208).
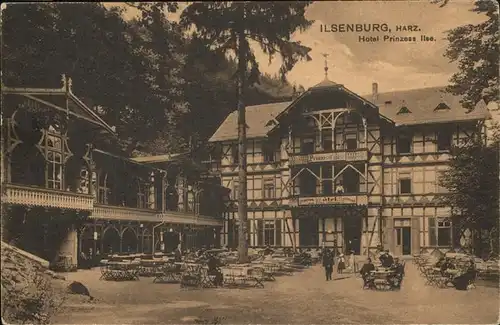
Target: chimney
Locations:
point(375, 91)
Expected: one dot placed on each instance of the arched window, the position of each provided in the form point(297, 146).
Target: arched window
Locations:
point(54, 156)
point(142, 194)
point(103, 188)
point(190, 199)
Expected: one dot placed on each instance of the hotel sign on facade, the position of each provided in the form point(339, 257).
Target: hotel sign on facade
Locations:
point(329, 156)
point(329, 200)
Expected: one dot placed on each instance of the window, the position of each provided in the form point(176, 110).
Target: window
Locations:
point(54, 155)
point(268, 152)
point(216, 153)
point(442, 106)
point(307, 184)
point(103, 189)
point(327, 142)
point(235, 190)
point(269, 230)
point(307, 146)
point(351, 141)
point(268, 188)
point(235, 153)
point(190, 200)
point(142, 194)
point(439, 232)
point(404, 144)
point(443, 140)
point(404, 110)
point(259, 228)
point(405, 184)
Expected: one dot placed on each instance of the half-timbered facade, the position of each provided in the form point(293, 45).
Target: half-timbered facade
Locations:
point(342, 170)
point(67, 190)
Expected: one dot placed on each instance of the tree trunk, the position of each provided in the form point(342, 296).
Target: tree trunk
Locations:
point(242, 149)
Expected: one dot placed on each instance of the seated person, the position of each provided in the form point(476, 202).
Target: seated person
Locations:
point(365, 273)
point(213, 264)
point(461, 282)
point(446, 264)
point(397, 277)
point(268, 251)
point(440, 262)
point(386, 259)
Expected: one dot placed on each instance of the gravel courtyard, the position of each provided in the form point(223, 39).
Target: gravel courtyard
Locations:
point(303, 298)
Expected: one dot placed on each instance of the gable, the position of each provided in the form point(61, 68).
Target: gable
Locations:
point(60, 100)
point(260, 120)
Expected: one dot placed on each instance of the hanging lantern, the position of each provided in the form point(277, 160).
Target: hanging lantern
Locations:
point(95, 235)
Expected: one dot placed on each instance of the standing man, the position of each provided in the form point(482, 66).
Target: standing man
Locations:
point(328, 264)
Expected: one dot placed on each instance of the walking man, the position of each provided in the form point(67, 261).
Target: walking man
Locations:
point(328, 264)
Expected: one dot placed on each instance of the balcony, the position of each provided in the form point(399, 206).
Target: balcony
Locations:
point(335, 200)
point(110, 212)
point(349, 156)
point(133, 214)
point(44, 197)
point(185, 218)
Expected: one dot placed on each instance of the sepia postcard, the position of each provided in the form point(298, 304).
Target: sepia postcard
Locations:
point(248, 162)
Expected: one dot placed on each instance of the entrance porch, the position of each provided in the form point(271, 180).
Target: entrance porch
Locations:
point(340, 228)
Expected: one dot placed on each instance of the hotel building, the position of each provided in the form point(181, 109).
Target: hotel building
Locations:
point(343, 170)
point(67, 188)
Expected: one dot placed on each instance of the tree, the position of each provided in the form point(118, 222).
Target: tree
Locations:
point(229, 27)
point(475, 48)
point(128, 69)
point(473, 182)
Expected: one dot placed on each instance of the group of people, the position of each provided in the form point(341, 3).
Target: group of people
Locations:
point(328, 257)
point(387, 261)
point(463, 277)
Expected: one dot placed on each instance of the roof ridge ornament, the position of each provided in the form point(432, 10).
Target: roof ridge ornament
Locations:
point(67, 83)
point(325, 55)
point(63, 80)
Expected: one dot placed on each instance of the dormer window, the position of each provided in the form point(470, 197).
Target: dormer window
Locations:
point(442, 107)
point(404, 110)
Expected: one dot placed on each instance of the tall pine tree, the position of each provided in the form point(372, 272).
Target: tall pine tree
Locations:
point(229, 27)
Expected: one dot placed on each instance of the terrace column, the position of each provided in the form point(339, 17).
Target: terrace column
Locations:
point(69, 245)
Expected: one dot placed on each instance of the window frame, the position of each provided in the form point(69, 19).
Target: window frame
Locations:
point(268, 152)
point(399, 140)
point(235, 153)
point(350, 138)
point(401, 179)
point(268, 184)
point(236, 189)
point(269, 232)
point(449, 140)
point(435, 224)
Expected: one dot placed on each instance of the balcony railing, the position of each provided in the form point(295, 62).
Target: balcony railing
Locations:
point(357, 155)
point(345, 199)
point(44, 197)
point(124, 213)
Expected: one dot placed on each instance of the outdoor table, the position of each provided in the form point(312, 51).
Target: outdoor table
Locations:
point(114, 270)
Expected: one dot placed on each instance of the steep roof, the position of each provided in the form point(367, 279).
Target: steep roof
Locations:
point(257, 118)
point(55, 98)
point(326, 83)
point(422, 104)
